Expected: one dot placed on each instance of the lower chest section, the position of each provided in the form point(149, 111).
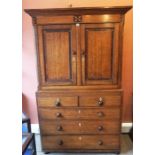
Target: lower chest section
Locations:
point(80, 121)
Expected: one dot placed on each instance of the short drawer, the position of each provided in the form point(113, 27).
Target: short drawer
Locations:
point(57, 101)
point(80, 127)
point(79, 113)
point(80, 142)
point(100, 100)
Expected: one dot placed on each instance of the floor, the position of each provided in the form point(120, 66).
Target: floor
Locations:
point(126, 147)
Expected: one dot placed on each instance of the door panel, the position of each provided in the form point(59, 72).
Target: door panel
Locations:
point(57, 55)
point(99, 44)
point(58, 52)
point(98, 53)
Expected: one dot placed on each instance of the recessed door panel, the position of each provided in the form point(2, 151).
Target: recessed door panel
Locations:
point(58, 54)
point(99, 53)
point(99, 46)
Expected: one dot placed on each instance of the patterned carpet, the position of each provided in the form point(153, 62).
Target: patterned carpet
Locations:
point(126, 148)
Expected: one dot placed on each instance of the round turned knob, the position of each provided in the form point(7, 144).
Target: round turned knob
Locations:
point(60, 142)
point(100, 114)
point(58, 114)
point(59, 128)
point(100, 103)
point(100, 142)
point(100, 128)
point(57, 103)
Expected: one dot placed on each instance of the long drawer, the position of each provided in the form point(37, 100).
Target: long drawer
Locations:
point(80, 142)
point(79, 113)
point(79, 127)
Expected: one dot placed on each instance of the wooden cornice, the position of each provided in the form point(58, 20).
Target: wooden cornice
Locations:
point(78, 11)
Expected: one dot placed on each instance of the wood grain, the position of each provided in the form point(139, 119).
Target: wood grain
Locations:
point(51, 101)
point(56, 52)
point(44, 20)
point(99, 52)
point(100, 63)
point(78, 10)
point(108, 100)
point(79, 126)
point(80, 142)
point(57, 55)
point(79, 113)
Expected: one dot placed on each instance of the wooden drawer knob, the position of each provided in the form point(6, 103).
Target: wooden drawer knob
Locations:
point(57, 102)
point(100, 101)
point(60, 142)
point(58, 114)
point(100, 114)
point(100, 142)
point(100, 128)
point(59, 128)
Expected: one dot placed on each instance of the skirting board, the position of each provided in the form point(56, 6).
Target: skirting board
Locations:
point(125, 128)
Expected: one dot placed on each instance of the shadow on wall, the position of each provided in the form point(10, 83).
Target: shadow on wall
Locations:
point(25, 105)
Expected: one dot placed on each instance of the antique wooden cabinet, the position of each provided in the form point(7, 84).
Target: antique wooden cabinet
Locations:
point(79, 97)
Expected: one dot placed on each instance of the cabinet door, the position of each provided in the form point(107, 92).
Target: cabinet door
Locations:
point(99, 53)
point(57, 54)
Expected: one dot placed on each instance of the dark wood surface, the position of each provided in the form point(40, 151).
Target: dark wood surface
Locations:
point(61, 47)
point(44, 20)
point(100, 100)
point(66, 46)
point(79, 113)
point(79, 98)
point(92, 142)
point(58, 101)
point(100, 62)
point(57, 51)
point(79, 127)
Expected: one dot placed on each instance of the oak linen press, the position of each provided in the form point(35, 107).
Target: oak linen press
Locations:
point(79, 97)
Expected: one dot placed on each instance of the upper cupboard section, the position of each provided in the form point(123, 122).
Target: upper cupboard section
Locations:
point(79, 54)
point(79, 47)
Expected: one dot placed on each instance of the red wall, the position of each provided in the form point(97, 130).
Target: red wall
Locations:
point(29, 58)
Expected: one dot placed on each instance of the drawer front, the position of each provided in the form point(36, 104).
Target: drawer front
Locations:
point(80, 142)
point(57, 101)
point(80, 127)
point(79, 113)
point(100, 100)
